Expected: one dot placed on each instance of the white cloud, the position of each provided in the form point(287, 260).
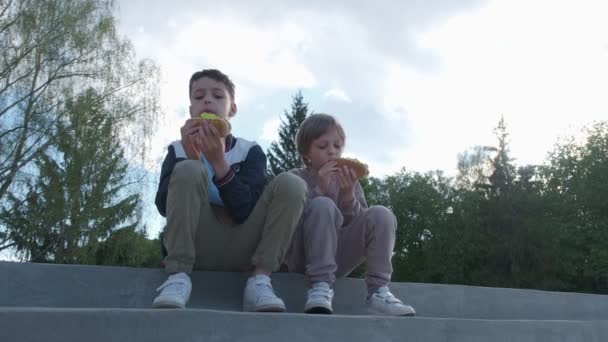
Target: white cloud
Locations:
point(435, 76)
point(337, 94)
point(270, 130)
point(486, 66)
point(172, 23)
point(267, 55)
point(544, 78)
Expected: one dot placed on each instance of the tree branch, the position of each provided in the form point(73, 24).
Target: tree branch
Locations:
point(10, 23)
point(17, 156)
point(11, 65)
point(3, 247)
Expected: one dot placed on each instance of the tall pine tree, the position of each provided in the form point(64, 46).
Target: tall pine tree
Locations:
point(502, 179)
point(82, 193)
point(50, 52)
point(283, 156)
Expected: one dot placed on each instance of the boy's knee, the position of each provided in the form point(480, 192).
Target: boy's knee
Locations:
point(188, 171)
point(288, 183)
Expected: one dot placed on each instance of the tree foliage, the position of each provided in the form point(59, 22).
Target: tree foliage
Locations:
point(51, 52)
point(496, 224)
point(283, 155)
point(82, 193)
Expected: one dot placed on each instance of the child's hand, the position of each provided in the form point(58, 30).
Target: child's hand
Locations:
point(213, 147)
point(325, 174)
point(346, 180)
point(190, 142)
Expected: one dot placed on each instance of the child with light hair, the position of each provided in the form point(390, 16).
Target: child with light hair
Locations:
point(337, 231)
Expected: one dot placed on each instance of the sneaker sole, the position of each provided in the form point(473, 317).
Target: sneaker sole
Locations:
point(379, 313)
point(167, 305)
point(319, 310)
point(269, 308)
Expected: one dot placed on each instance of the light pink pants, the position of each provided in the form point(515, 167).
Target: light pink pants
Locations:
point(324, 249)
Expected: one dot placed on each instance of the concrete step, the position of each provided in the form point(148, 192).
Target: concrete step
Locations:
point(79, 286)
point(99, 324)
point(42, 302)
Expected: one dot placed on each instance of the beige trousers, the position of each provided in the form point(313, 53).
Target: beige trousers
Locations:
point(199, 235)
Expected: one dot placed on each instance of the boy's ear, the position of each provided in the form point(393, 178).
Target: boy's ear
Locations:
point(233, 110)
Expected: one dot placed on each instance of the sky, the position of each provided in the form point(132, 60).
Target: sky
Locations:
point(414, 83)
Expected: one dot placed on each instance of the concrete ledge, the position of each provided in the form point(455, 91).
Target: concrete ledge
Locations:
point(77, 286)
point(45, 324)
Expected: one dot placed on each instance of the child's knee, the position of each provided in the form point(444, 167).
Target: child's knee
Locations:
point(323, 209)
point(322, 204)
point(382, 217)
point(290, 184)
point(188, 171)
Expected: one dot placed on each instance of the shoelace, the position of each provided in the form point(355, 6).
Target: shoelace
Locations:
point(320, 292)
point(173, 285)
point(264, 290)
point(388, 297)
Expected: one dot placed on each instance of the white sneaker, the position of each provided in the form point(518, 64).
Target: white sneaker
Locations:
point(175, 292)
point(259, 296)
point(319, 300)
point(383, 302)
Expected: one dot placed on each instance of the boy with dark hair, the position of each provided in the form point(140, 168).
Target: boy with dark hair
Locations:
point(220, 215)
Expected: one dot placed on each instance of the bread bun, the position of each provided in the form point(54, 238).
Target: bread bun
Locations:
point(360, 168)
point(222, 125)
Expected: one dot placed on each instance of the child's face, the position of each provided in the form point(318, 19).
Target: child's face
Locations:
point(211, 96)
point(325, 148)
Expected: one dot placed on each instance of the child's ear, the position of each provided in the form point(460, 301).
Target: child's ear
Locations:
point(233, 110)
point(306, 160)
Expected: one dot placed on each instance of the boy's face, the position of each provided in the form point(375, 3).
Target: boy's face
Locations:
point(211, 96)
point(325, 148)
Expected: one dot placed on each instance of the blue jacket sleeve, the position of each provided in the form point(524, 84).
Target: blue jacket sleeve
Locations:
point(241, 188)
point(165, 176)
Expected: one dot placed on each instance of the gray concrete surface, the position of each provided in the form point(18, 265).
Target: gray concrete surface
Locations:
point(41, 302)
point(75, 286)
point(47, 325)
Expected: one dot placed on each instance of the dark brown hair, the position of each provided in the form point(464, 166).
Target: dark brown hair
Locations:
point(214, 75)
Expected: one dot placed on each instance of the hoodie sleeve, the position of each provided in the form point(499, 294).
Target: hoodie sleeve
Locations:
point(243, 185)
point(351, 209)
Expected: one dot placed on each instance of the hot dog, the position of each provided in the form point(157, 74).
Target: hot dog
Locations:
point(361, 169)
point(222, 125)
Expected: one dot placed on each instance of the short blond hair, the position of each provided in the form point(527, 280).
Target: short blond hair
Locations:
point(314, 126)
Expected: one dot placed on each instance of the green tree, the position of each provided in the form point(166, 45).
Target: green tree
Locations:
point(283, 156)
point(82, 193)
point(499, 212)
point(50, 52)
point(421, 204)
point(535, 248)
point(576, 184)
point(474, 168)
point(129, 247)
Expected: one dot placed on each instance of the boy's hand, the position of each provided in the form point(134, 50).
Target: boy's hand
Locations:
point(346, 180)
point(213, 147)
point(189, 140)
point(325, 174)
